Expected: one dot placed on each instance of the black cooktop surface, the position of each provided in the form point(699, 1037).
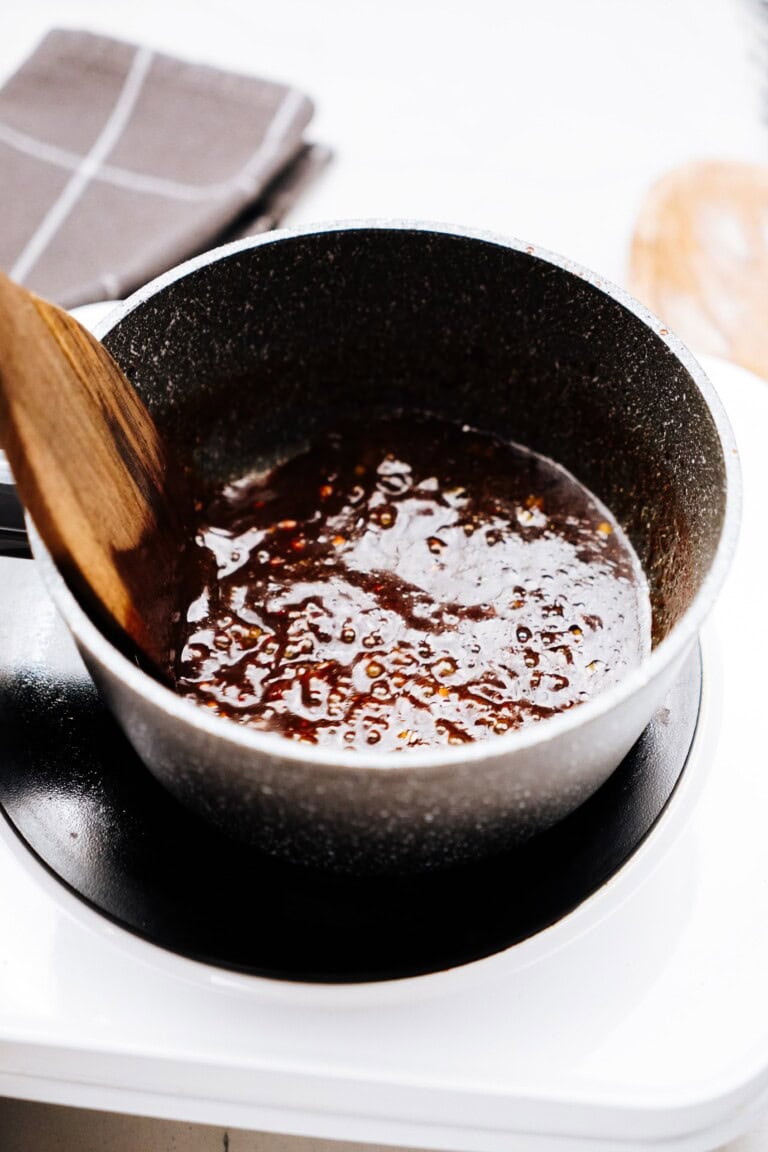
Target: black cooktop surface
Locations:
point(75, 792)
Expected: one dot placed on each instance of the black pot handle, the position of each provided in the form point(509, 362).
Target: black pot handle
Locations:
point(13, 536)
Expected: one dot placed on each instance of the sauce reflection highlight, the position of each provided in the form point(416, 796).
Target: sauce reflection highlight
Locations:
point(408, 583)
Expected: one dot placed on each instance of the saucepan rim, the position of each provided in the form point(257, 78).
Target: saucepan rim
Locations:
point(413, 760)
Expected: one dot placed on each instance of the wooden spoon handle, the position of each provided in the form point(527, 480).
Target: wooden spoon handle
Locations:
point(89, 465)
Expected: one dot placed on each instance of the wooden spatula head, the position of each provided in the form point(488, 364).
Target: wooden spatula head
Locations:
point(91, 469)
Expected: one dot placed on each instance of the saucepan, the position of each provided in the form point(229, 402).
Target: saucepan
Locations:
point(249, 350)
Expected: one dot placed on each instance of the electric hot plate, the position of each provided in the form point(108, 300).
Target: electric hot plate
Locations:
point(75, 792)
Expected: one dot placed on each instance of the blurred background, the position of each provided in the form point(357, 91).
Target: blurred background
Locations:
point(551, 121)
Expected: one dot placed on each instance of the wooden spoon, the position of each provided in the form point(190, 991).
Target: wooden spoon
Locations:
point(90, 467)
point(699, 258)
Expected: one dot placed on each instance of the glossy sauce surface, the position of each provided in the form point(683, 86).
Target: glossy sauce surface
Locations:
point(408, 583)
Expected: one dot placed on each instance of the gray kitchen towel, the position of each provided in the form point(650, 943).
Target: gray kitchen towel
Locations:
point(117, 162)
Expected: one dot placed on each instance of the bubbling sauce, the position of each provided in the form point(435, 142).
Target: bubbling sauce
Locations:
point(408, 583)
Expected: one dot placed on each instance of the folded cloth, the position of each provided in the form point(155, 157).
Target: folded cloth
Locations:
point(117, 162)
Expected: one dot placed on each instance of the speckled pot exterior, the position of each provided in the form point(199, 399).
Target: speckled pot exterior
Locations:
point(244, 353)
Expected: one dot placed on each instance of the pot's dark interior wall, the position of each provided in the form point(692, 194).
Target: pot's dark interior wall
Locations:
point(243, 360)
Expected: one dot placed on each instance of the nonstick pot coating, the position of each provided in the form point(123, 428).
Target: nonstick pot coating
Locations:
point(245, 360)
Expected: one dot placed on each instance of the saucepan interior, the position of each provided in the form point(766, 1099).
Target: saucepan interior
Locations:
point(247, 358)
point(245, 355)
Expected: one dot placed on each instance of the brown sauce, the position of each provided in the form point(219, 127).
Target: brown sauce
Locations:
point(406, 583)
